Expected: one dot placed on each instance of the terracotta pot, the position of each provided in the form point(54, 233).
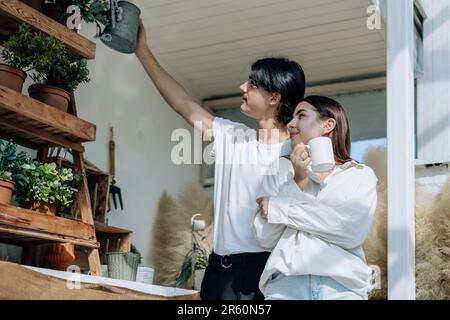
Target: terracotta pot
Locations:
point(44, 207)
point(12, 77)
point(60, 255)
point(6, 190)
point(53, 96)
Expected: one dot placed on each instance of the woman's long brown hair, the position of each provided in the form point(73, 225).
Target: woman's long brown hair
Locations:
point(340, 136)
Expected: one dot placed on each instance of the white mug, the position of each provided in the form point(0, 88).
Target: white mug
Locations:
point(321, 153)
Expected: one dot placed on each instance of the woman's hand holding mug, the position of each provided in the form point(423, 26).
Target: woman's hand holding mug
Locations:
point(300, 159)
point(263, 204)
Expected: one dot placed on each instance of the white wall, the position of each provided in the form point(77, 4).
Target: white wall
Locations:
point(434, 125)
point(121, 94)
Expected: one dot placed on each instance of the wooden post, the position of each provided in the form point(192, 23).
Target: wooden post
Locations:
point(84, 205)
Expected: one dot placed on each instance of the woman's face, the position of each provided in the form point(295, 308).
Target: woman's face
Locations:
point(306, 125)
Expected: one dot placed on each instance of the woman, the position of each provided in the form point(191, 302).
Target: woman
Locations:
point(316, 223)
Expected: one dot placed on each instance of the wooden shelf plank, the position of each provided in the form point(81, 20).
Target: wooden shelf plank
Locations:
point(104, 228)
point(30, 223)
point(43, 135)
point(23, 13)
point(19, 237)
point(25, 117)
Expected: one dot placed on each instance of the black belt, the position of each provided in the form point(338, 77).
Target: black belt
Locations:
point(239, 258)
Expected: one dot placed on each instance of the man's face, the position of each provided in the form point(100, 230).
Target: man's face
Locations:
point(257, 103)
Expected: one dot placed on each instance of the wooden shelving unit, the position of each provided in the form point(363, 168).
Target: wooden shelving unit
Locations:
point(22, 13)
point(39, 126)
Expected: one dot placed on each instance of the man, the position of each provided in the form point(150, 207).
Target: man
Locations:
point(242, 158)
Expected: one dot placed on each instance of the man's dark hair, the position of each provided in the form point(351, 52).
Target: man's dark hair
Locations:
point(283, 76)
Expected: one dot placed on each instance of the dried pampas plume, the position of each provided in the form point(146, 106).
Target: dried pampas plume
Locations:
point(432, 219)
point(172, 231)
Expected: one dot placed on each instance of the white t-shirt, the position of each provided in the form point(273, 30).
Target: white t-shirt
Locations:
point(241, 163)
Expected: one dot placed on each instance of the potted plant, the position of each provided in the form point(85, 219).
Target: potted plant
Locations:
point(123, 265)
point(13, 165)
point(57, 71)
point(144, 274)
point(198, 257)
point(47, 188)
point(17, 57)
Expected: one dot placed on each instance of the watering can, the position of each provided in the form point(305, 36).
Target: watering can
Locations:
point(122, 30)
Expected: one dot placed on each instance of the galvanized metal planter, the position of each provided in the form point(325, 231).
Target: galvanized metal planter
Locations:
point(121, 32)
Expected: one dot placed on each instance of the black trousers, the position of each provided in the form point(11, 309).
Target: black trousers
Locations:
point(234, 277)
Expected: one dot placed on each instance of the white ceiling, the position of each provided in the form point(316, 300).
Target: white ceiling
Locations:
point(209, 45)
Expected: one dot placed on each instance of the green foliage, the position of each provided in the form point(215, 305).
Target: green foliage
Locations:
point(48, 184)
point(201, 262)
point(53, 63)
point(13, 164)
point(16, 51)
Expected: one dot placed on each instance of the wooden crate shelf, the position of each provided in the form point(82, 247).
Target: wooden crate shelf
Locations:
point(22, 13)
point(111, 239)
point(37, 125)
point(22, 226)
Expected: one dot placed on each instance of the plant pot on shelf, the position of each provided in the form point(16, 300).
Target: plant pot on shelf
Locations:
point(44, 207)
point(6, 190)
point(53, 96)
point(60, 255)
point(122, 265)
point(12, 77)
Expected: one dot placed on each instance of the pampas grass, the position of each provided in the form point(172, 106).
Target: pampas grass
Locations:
point(432, 219)
point(375, 246)
point(172, 232)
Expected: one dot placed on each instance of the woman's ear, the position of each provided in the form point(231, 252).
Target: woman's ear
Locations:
point(328, 125)
point(275, 98)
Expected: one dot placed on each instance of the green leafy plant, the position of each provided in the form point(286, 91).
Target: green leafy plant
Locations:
point(52, 62)
point(13, 164)
point(16, 51)
point(47, 184)
point(200, 255)
point(55, 65)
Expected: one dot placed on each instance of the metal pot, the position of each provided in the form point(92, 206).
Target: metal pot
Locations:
point(122, 30)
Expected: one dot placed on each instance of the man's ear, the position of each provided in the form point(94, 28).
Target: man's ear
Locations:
point(329, 125)
point(275, 98)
